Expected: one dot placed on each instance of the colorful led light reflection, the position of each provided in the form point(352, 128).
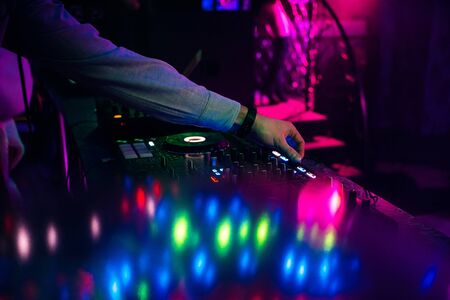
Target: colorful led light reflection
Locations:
point(95, 227)
point(244, 230)
point(143, 291)
point(262, 231)
point(180, 231)
point(52, 238)
point(23, 242)
point(223, 236)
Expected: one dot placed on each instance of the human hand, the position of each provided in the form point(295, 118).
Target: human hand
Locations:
point(280, 135)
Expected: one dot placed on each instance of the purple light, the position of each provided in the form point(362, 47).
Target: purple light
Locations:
point(52, 238)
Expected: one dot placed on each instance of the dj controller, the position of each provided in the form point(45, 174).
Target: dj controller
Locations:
point(176, 214)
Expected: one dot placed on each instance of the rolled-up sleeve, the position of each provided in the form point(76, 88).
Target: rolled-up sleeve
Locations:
point(51, 35)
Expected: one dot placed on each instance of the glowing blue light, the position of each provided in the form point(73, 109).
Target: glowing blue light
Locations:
point(429, 278)
point(163, 279)
point(324, 269)
point(246, 263)
point(114, 289)
point(301, 270)
point(214, 170)
point(288, 263)
point(207, 5)
point(284, 158)
point(202, 269)
point(217, 174)
point(199, 263)
point(210, 275)
point(162, 212)
point(212, 209)
point(126, 274)
point(221, 169)
point(235, 205)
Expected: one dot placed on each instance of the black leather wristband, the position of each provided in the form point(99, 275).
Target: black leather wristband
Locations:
point(247, 124)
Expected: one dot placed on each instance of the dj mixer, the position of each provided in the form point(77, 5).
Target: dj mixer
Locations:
point(205, 215)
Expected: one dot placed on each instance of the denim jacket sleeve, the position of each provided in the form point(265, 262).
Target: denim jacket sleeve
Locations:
point(51, 35)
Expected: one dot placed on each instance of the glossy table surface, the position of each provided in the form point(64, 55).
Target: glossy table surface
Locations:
point(146, 236)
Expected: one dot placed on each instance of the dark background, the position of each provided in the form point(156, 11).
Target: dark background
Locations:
point(404, 59)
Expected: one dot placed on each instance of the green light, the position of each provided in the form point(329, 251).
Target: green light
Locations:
point(330, 239)
point(262, 231)
point(180, 231)
point(301, 232)
point(143, 291)
point(243, 231)
point(223, 236)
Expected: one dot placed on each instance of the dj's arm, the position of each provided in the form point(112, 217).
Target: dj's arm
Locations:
point(49, 34)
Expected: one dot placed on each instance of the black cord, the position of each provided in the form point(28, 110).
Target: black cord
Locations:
point(24, 94)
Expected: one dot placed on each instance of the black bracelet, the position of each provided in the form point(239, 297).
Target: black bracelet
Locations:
point(247, 125)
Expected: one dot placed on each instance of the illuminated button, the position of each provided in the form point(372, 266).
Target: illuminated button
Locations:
point(128, 151)
point(117, 116)
point(151, 143)
point(284, 158)
point(311, 175)
point(194, 139)
point(303, 170)
point(276, 153)
point(142, 150)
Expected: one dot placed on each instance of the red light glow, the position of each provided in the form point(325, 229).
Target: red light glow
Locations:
point(125, 206)
point(157, 189)
point(140, 198)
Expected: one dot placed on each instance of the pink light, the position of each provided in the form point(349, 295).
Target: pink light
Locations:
point(151, 207)
point(95, 227)
point(319, 203)
point(335, 202)
point(23, 243)
point(52, 238)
